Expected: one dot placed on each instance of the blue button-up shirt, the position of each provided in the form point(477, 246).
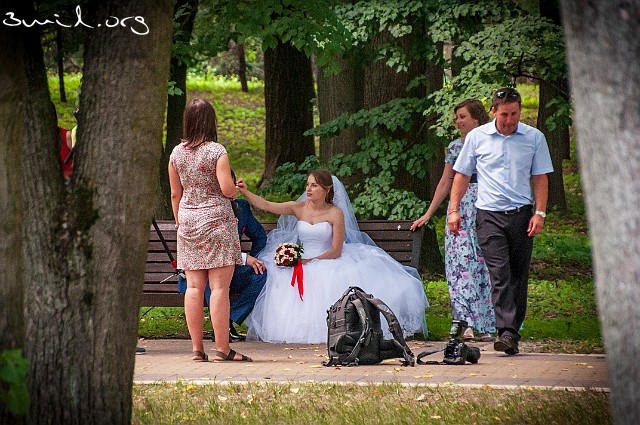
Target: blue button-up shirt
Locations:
point(504, 164)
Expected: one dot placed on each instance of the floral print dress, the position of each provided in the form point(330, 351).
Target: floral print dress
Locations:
point(208, 232)
point(465, 269)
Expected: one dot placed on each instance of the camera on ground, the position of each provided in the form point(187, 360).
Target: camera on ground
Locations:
point(456, 351)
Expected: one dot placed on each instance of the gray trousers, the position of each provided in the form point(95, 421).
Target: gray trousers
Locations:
point(507, 253)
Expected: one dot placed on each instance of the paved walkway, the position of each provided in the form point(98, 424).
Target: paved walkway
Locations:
point(170, 360)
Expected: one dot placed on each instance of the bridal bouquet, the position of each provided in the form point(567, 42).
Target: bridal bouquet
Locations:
point(289, 255)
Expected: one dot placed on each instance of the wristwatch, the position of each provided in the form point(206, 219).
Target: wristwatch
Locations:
point(541, 214)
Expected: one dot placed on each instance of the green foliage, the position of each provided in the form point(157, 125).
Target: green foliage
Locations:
point(173, 90)
point(13, 388)
point(290, 180)
point(503, 42)
point(379, 200)
point(309, 26)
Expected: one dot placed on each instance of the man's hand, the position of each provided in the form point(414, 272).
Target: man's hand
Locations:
point(258, 266)
point(535, 225)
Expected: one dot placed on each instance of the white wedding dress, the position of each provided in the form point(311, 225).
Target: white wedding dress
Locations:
point(281, 316)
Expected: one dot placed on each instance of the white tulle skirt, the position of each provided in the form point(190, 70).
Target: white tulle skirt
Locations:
point(281, 316)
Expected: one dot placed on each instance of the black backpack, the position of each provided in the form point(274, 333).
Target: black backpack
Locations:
point(355, 335)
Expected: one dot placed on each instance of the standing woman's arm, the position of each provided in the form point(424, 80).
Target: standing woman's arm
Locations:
point(223, 172)
point(176, 191)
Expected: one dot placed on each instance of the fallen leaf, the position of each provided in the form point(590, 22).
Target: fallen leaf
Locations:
point(390, 361)
point(473, 374)
point(564, 370)
point(399, 369)
point(581, 364)
point(421, 397)
point(222, 398)
point(436, 417)
point(295, 390)
point(286, 368)
point(427, 376)
point(316, 366)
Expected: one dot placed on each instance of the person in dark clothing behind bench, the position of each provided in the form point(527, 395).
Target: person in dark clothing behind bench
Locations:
point(248, 279)
point(512, 161)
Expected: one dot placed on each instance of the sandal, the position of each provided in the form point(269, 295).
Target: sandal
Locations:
point(468, 334)
point(485, 338)
point(231, 357)
point(200, 356)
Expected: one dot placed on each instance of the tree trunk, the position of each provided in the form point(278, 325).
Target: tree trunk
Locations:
point(556, 140)
point(85, 242)
point(175, 104)
point(288, 92)
point(383, 84)
point(242, 67)
point(339, 94)
point(559, 138)
point(12, 93)
point(60, 57)
point(602, 50)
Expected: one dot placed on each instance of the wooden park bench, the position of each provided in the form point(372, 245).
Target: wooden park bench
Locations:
point(160, 280)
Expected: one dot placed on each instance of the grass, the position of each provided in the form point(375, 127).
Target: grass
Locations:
point(313, 403)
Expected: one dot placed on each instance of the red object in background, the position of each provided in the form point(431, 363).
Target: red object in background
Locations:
point(64, 153)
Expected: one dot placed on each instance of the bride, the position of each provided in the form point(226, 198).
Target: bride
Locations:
point(336, 255)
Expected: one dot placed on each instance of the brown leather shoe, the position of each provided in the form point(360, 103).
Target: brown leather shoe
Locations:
point(507, 344)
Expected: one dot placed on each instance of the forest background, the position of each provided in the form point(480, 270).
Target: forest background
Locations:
point(363, 88)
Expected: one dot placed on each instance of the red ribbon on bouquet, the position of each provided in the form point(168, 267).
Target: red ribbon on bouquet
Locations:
point(297, 277)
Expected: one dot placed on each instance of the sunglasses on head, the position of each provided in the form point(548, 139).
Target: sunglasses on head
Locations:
point(509, 94)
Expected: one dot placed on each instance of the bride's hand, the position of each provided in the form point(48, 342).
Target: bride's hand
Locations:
point(241, 185)
point(306, 260)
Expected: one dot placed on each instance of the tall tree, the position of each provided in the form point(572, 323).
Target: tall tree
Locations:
point(242, 67)
point(603, 50)
point(291, 32)
point(554, 96)
point(339, 94)
point(184, 16)
point(288, 92)
point(12, 91)
point(85, 241)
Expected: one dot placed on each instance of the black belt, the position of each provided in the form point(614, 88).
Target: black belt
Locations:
point(516, 210)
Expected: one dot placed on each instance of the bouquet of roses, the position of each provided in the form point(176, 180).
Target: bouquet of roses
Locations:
point(289, 255)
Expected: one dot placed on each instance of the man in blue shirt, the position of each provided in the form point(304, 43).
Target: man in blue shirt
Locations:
point(512, 161)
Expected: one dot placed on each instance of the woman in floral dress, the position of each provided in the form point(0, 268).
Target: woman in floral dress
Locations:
point(207, 234)
point(466, 272)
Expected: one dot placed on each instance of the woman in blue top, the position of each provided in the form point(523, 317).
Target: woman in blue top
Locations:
point(466, 272)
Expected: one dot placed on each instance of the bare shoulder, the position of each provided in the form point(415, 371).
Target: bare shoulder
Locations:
point(336, 213)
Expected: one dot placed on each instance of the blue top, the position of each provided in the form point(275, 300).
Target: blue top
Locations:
point(250, 226)
point(504, 164)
